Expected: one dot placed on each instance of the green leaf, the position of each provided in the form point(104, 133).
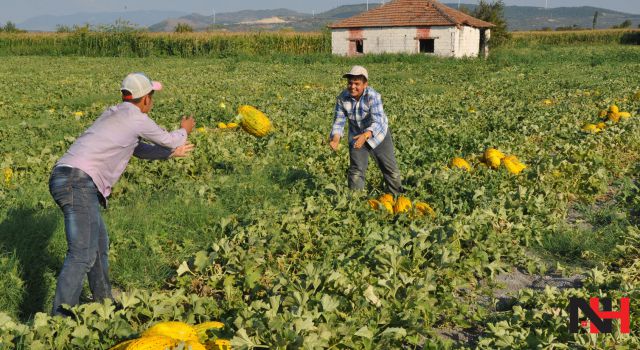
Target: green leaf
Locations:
point(183, 268)
point(364, 332)
point(201, 260)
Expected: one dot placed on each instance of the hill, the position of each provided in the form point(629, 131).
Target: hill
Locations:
point(532, 18)
point(518, 18)
point(48, 23)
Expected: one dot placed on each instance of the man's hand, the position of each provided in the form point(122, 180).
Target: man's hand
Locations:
point(335, 142)
point(188, 124)
point(182, 151)
point(359, 140)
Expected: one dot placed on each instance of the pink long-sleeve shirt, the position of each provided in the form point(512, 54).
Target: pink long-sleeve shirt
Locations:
point(104, 150)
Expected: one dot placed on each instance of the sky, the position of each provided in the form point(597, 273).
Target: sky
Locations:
point(20, 10)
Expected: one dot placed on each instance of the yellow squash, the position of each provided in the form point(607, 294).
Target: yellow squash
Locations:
point(513, 165)
point(219, 344)
point(174, 330)
point(460, 163)
point(253, 121)
point(378, 205)
point(422, 208)
point(402, 205)
point(194, 345)
point(614, 109)
point(493, 157)
point(156, 342)
point(591, 128)
point(613, 117)
point(387, 197)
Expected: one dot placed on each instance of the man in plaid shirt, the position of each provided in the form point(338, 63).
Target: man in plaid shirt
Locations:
point(369, 132)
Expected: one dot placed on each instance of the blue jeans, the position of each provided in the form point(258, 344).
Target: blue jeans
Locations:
point(384, 156)
point(87, 239)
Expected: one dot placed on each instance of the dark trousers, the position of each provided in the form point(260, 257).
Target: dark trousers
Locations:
point(87, 239)
point(384, 156)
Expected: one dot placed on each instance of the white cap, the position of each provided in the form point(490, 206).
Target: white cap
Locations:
point(138, 85)
point(357, 70)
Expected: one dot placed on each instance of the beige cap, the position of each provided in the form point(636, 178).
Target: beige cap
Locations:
point(138, 85)
point(357, 70)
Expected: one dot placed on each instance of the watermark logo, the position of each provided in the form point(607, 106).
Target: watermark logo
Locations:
point(599, 321)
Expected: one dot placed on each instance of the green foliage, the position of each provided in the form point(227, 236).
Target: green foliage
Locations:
point(576, 37)
point(183, 28)
point(124, 41)
point(11, 283)
point(119, 26)
point(11, 27)
point(626, 24)
point(493, 12)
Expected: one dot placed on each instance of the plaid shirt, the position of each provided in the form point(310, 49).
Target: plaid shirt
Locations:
point(364, 115)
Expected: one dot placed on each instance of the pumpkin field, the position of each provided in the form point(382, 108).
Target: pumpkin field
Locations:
point(263, 235)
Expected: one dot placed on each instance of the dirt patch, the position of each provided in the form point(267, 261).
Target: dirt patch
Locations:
point(462, 337)
point(510, 282)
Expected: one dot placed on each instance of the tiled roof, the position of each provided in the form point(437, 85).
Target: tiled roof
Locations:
point(411, 13)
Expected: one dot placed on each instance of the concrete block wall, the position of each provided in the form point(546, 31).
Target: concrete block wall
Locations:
point(449, 41)
point(468, 43)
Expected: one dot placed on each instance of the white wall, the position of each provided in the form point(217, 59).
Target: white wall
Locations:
point(468, 43)
point(340, 41)
point(449, 41)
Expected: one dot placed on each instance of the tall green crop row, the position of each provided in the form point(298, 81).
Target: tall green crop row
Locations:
point(145, 45)
point(625, 36)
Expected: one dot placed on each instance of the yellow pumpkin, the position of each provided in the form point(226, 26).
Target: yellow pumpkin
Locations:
point(460, 163)
point(402, 205)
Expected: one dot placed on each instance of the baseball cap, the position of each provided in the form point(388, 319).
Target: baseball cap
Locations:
point(139, 85)
point(357, 70)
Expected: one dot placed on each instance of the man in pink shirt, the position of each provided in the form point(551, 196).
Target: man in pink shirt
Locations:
point(82, 180)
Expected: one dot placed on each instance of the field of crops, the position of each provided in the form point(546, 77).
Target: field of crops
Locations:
point(139, 44)
point(263, 235)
